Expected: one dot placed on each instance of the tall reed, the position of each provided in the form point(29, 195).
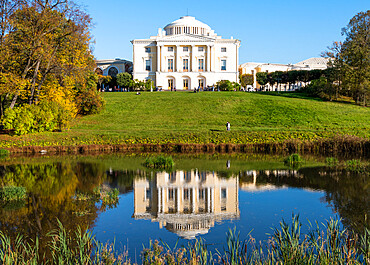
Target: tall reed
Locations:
point(330, 244)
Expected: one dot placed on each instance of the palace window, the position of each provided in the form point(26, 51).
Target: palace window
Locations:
point(223, 193)
point(147, 194)
point(202, 194)
point(170, 84)
point(185, 49)
point(223, 49)
point(171, 194)
point(200, 83)
point(200, 65)
point(147, 65)
point(185, 65)
point(203, 176)
point(173, 176)
point(187, 174)
point(200, 49)
point(223, 65)
point(170, 65)
point(186, 84)
point(186, 194)
point(147, 49)
point(113, 72)
point(170, 49)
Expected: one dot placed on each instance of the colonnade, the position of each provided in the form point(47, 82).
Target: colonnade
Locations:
point(193, 65)
point(163, 194)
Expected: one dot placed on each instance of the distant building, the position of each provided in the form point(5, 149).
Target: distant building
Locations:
point(187, 54)
point(187, 203)
point(113, 67)
point(309, 64)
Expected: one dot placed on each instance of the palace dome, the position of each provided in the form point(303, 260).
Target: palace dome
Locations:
point(188, 25)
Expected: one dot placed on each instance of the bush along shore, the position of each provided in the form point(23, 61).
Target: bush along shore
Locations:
point(330, 244)
point(344, 145)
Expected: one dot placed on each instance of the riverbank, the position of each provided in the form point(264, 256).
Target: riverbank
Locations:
point(340, 145)
point(185, 121)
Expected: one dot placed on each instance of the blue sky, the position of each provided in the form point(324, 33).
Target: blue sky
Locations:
point(285, 31)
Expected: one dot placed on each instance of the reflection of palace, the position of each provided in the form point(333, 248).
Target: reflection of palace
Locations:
point(186, 202)
point(254, 186)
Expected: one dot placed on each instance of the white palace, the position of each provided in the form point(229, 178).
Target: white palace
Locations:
point(187, 54)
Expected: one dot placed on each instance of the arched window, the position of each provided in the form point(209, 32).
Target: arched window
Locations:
point(99, 71)
point(113, 71)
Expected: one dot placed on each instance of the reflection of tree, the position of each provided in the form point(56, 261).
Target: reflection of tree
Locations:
point(123, 179)
point(51, 189)
point(347, 192)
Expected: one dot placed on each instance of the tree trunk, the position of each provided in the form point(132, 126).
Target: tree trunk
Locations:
point(34, 82)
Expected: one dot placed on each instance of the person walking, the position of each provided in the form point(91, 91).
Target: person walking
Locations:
point(228, 126)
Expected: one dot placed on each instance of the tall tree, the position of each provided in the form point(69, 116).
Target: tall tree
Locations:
point(351, 59)
point(47, 39)
point(355, 54)
point(261, 78)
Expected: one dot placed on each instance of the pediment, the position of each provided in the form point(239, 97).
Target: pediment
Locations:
point(186, 38)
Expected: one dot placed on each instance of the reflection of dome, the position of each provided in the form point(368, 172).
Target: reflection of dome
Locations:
point(191, 234)
point(189, 226)
point(188, 24)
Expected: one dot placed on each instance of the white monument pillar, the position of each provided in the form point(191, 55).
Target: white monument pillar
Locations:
point(159, 200)
point(178, 66)
point(193, 200)
point(158, 58)
point(208, 59)
point(178, 200)
point(208, 200)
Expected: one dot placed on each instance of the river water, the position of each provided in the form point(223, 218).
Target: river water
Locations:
point(202, 196)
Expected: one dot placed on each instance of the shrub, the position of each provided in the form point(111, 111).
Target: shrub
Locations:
point(159, 162)
point(89, 102)
point(11, 193)
point(4, 153)
point(294, 160)
point(355, 165)
point(46, 116)
point(332, 161)
point(226, 85)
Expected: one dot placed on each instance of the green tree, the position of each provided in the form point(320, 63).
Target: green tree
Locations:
point(261, 78)
point(124, 80)
point(246, 79)
point(355, 56)
point(351, 58)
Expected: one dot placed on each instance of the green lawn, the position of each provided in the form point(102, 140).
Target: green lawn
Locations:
point(186, 117)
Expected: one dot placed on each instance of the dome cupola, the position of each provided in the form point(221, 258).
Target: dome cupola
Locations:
point(188, 25)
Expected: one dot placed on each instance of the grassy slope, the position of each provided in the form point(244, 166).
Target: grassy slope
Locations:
point(201, 117)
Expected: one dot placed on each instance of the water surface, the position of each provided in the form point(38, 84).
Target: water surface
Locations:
point(203, 196)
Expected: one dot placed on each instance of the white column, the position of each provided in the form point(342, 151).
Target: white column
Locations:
point(178, 66)
point(163, 200)
point(193, 200)
point(211, 58)
point(178, 199)
point(159, 199)
point(208, 200)
point(158, 58)
point(162, 59)
point(193, 65)
point(208, 59)
point(237, 63)
point(213, 200)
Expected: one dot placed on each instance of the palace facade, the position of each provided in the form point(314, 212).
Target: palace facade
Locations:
point(187, 203)
point(187, 54)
